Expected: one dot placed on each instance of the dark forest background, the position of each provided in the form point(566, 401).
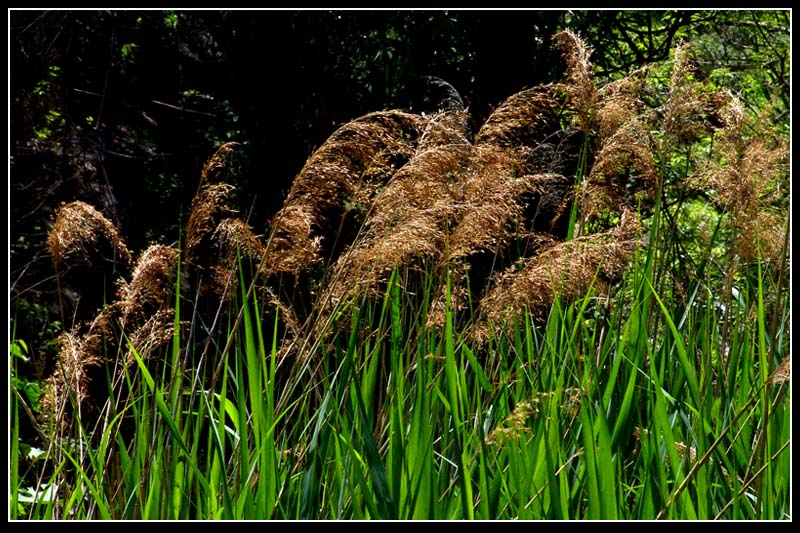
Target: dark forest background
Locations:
point(121, 109)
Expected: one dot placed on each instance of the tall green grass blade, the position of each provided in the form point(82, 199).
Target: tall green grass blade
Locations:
point(590, 479)
point(396, 448)
point(166, 415)
point(13, 481)
point(764, 366)
point(94, 491)
point(420, 449)
point(680, 348)
point(606, 470)
point(176, 366)
point(381, 490)
point(454, 393)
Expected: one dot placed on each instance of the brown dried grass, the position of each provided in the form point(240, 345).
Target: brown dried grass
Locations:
point(293, 246)
point(151, 337)
point(578, 84)
point(235, 237)
point(80, 357)
point(82, 235)
point(691, 108)
point(355, 162)
point(619, 102)
point(500, 205)
point(445, 128)
point(146, 305)
point(423, 198)
point(217, 168)
point(70, 378)
point(625, 162)
point(143, 310)
point(152, 285)
point(566, 270)
point(524, 119)
point(233, 240)
point(408, 221)
point(750, 179)
point(210, 206)
point(783, 372)
point(454, 200)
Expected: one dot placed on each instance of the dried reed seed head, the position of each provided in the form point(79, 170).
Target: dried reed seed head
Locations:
point(345, 168)
point(625, 160)
point(433, 177)
point(558, 154)
point(561, 156)
point(468, 193)
point(285, 312)
point(749, 176)
point(421, 235)
point(396, 123)
point(597, 199)
point(73, 359)
point(733, 118)
point(749, 181)
point(579, 85)
point(102, 324)
point(619, 102)
point(494, 212)
point(218, 168)
point(70, 379)
point(291, 226)
point(233, 240)
point(445, 128)
point(691, 108)
point(485, 227)
point(377, 174)
point(222, 281)
point(499, 204)
point(783, 372)
point(411, 215)
point(407, 226)
point(516, 423)
point(566, 269)
point(369, 262)
point(79, 356)
point(761, 236)
point(52, 404)
point(553, 196)
point(323, 183)
point(152, 284)
point(235, 235)
point(151, 336)
point(82, 233)
point(293, 246)
point(342, 159)
point(398, 236)
point(434, 93)
point(490, 166)
point(524, 119)
point(210, 206)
